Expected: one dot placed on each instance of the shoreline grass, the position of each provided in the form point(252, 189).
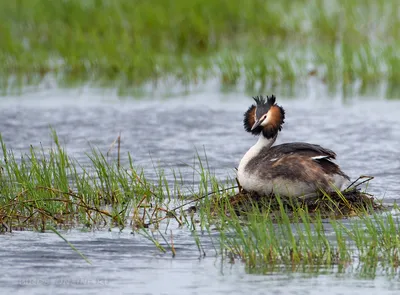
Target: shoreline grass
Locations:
point(258, 44)
point(47, 190)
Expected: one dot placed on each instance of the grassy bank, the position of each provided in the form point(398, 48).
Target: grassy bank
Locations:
point(256, 44)
point(46, 189)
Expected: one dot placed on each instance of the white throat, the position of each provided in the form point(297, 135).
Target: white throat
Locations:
point(261, 143)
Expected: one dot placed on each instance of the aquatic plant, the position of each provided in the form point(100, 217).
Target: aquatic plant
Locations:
point(255, 44)
point(48, 190)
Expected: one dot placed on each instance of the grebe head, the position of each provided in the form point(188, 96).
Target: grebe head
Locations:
point(264, 116)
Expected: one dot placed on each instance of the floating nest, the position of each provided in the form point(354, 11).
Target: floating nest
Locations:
point(338, 204)
point(348, 203)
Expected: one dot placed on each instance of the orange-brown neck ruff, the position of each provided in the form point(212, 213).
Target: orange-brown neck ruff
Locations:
point(276, 116)
point(249, 120)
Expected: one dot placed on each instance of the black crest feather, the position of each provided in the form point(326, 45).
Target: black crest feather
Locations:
point(260, 100)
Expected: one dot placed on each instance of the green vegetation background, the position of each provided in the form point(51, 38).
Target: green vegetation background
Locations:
point(257, 43)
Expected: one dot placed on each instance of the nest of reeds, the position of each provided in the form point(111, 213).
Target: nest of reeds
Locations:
point(327, 205)
point(335, 204)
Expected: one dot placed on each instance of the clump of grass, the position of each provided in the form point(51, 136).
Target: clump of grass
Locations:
point(48, 188)
point(260, 43)
point(300, 240)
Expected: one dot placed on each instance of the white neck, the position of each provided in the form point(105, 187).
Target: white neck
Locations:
point(262, 143)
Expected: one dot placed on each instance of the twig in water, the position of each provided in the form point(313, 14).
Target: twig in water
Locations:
point(358, 184)
point(172, 211)
point(202, 197)
point(81, 203)
point(169, 213)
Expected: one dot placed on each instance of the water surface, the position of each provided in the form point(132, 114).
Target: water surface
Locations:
point(167, 132)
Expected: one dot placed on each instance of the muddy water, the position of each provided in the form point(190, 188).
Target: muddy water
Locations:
point(365, 134)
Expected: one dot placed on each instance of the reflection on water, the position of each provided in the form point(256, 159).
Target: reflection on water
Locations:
point(128, 264)
point(167, 133)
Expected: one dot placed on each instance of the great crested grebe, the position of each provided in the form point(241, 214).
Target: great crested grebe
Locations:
point(289, 169)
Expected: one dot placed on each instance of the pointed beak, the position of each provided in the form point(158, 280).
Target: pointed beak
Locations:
point(256, 124)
